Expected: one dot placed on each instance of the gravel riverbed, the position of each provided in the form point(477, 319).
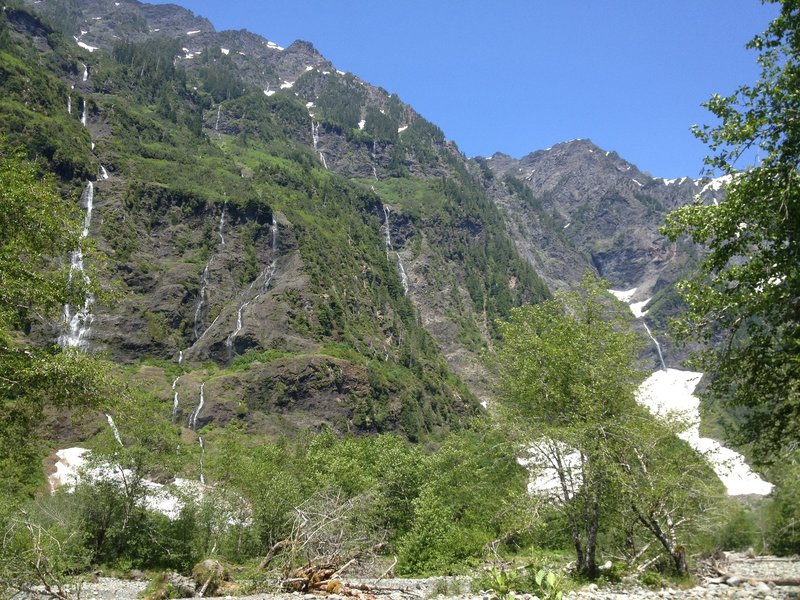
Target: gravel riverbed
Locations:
point(741, 585)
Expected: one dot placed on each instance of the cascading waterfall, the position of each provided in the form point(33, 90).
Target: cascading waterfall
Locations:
point(175, 396)
point(85, 72)
point(180, 356)
point(69, 104)
point(658, 346)
point(103, 172)
point(193, 417)
point(193, 426)
point(389, 249)
point(219, 113)
point(315, 141)
point(114, 429)
point(83, 113)
point(78, 322)
point(266, 276)
point(198, 312)
point(221, 225)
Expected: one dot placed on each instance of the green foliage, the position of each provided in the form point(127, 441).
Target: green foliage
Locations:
point(39, 546)
point(748, 282)
point(783, 511)
point(473, 495)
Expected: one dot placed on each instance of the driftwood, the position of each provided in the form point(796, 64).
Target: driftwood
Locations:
point(781, 581)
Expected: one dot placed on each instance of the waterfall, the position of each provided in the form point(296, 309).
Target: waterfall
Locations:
point(180, 356)
point(175, 397)
point(103, 172)
point(193, 418)
point(85, 72)
point(374, 172)
point(83, 113)
point(266, 275)
point(315, 141)
point(193, 426)
point(69, 104)
point(202, 456)
point(219, 112)
point(403, 276)
point(78, 322)
point(221, 225)
point(198, 313)
point(658, 346)
point(114, 429)
point(387, 235)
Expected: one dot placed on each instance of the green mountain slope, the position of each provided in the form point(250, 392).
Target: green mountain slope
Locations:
point(238, 261)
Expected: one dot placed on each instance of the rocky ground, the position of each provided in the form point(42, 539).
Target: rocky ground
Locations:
point(742, 581)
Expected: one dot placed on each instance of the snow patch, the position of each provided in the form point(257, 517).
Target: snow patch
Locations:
point(86, 46)
point(637, 182)
point(717, 183)
point(670, 392)
point(637, 308)
point(286, 85)
point(195, 32)
point(362, 123)
point(567, 225)
point(274, 46)
point(402, 129)
point(309, 68)
point(623, 295)
point(225, 51)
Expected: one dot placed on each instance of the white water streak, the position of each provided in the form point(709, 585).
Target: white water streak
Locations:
point(85, 72)
point(658, 346)
point(83, 113)
point(266, 276)
point(219, 113)
point(78, 322)
point(175, 390)
point(114, 429)
point(221, 225)
point(387, 235)
point(193, 417)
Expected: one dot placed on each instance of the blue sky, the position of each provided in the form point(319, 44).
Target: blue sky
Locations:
point(520, 75)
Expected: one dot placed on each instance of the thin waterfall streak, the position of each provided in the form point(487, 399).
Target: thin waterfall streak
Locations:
point(77, 323)
point(193, 417)
point(221, 225)
point(219, 112)
point(658, 346)
point(114, 429)
point(198, 312)
point(175, 396)
point(85, 72)
point(103, 172)
point(83, 113)
point(69, 104)
point(267, 275)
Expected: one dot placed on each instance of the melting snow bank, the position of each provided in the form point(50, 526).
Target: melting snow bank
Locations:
point(670, 392)
point(71, 467)
point(667, 393)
